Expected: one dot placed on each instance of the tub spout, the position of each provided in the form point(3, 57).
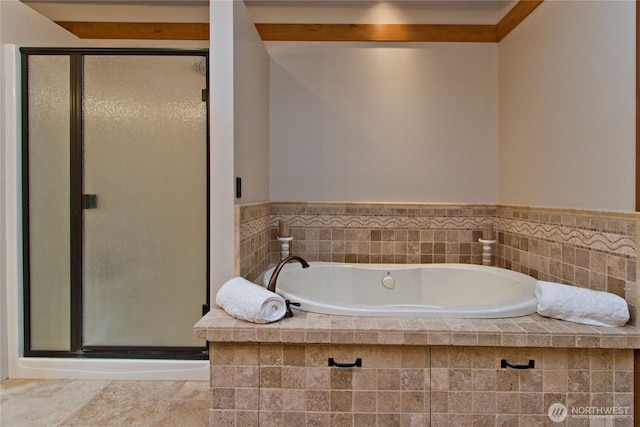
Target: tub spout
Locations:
point(276, 271)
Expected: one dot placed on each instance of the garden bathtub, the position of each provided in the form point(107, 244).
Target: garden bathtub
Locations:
point(419, 290)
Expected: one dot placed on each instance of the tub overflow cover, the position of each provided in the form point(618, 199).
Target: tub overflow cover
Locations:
point(388, 281)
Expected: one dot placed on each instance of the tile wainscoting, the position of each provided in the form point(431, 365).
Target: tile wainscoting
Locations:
point(383, 233)
point(595, 250)
point(253, 234)
point(592, 249)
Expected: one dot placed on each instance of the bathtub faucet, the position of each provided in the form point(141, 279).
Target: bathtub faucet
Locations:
point(276, 271)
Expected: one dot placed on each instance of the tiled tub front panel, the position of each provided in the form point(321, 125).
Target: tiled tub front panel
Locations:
point(292, 385)
point(383, 233)
point(468, 386)
point(589, 249)
point(282, 384)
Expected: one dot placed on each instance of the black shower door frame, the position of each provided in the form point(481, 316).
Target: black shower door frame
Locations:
point(77, 349)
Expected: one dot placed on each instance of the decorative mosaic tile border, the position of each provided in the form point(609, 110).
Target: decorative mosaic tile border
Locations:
point(620, 242)
point(353, 221)
point(598, 240)
point(382, 216)
point(253, 227)
point(254, 239)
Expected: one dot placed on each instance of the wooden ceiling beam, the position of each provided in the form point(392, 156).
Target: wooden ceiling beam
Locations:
point(377, 32)
point(312, 32)
point(515, 16)
point(138, 30)
point(400, 32)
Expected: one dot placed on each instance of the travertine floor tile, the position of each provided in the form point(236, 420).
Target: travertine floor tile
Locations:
point(126, 403)
point(192, 413)
point(36, 411)
point(28, 387)
point(98, 403)
point(194, 390)
point(82, 390)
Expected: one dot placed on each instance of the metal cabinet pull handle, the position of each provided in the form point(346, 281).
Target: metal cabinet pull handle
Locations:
point(357, 363)
point(504, 364)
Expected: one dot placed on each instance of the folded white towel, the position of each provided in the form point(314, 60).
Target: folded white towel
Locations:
point(248, 301)
point(581, 305)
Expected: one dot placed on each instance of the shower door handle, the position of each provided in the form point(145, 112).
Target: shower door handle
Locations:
point(89, 201)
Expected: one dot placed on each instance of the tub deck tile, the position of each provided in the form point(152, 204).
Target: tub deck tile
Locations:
point(435, 324)
point(514, 340)
point(478, 325)
point(557, 328)
point(439, 338)
point(508, 326)
point(526, 331)
point(464, 339)
point(388, 324)
point(411, 324)
point(365, 323)
point(489, 339)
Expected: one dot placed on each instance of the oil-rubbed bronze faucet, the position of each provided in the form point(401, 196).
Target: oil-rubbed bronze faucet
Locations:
point(276, 271)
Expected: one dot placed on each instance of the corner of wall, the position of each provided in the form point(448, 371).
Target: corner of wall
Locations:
point(221, 116)
point(251, 113)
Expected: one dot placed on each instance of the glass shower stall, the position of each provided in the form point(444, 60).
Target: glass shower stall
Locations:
point(115, 202)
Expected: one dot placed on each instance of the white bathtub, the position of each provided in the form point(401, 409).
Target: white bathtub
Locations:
point(420, 290)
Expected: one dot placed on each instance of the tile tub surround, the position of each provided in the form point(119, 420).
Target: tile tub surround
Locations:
point(253, 236)
point(592, 249)
point(597, 250)
point(383, 233)
point(415, 371)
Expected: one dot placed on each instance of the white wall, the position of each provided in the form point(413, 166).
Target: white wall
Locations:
point(4, 363)
point(251, 109)
point(567, 107)
point(19, 26)
point(221, 119)
point(376, 122)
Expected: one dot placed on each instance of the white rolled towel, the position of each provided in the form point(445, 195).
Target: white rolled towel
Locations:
point(581, 305)
point(248, 301)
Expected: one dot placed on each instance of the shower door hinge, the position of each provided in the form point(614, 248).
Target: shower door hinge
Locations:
point(205, 309)
point(205, 95)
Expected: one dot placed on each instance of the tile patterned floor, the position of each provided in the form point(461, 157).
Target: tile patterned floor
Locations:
point(98, 403)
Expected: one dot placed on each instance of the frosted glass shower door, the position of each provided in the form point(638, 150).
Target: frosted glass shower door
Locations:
point(48, 203)
point(145, 232)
